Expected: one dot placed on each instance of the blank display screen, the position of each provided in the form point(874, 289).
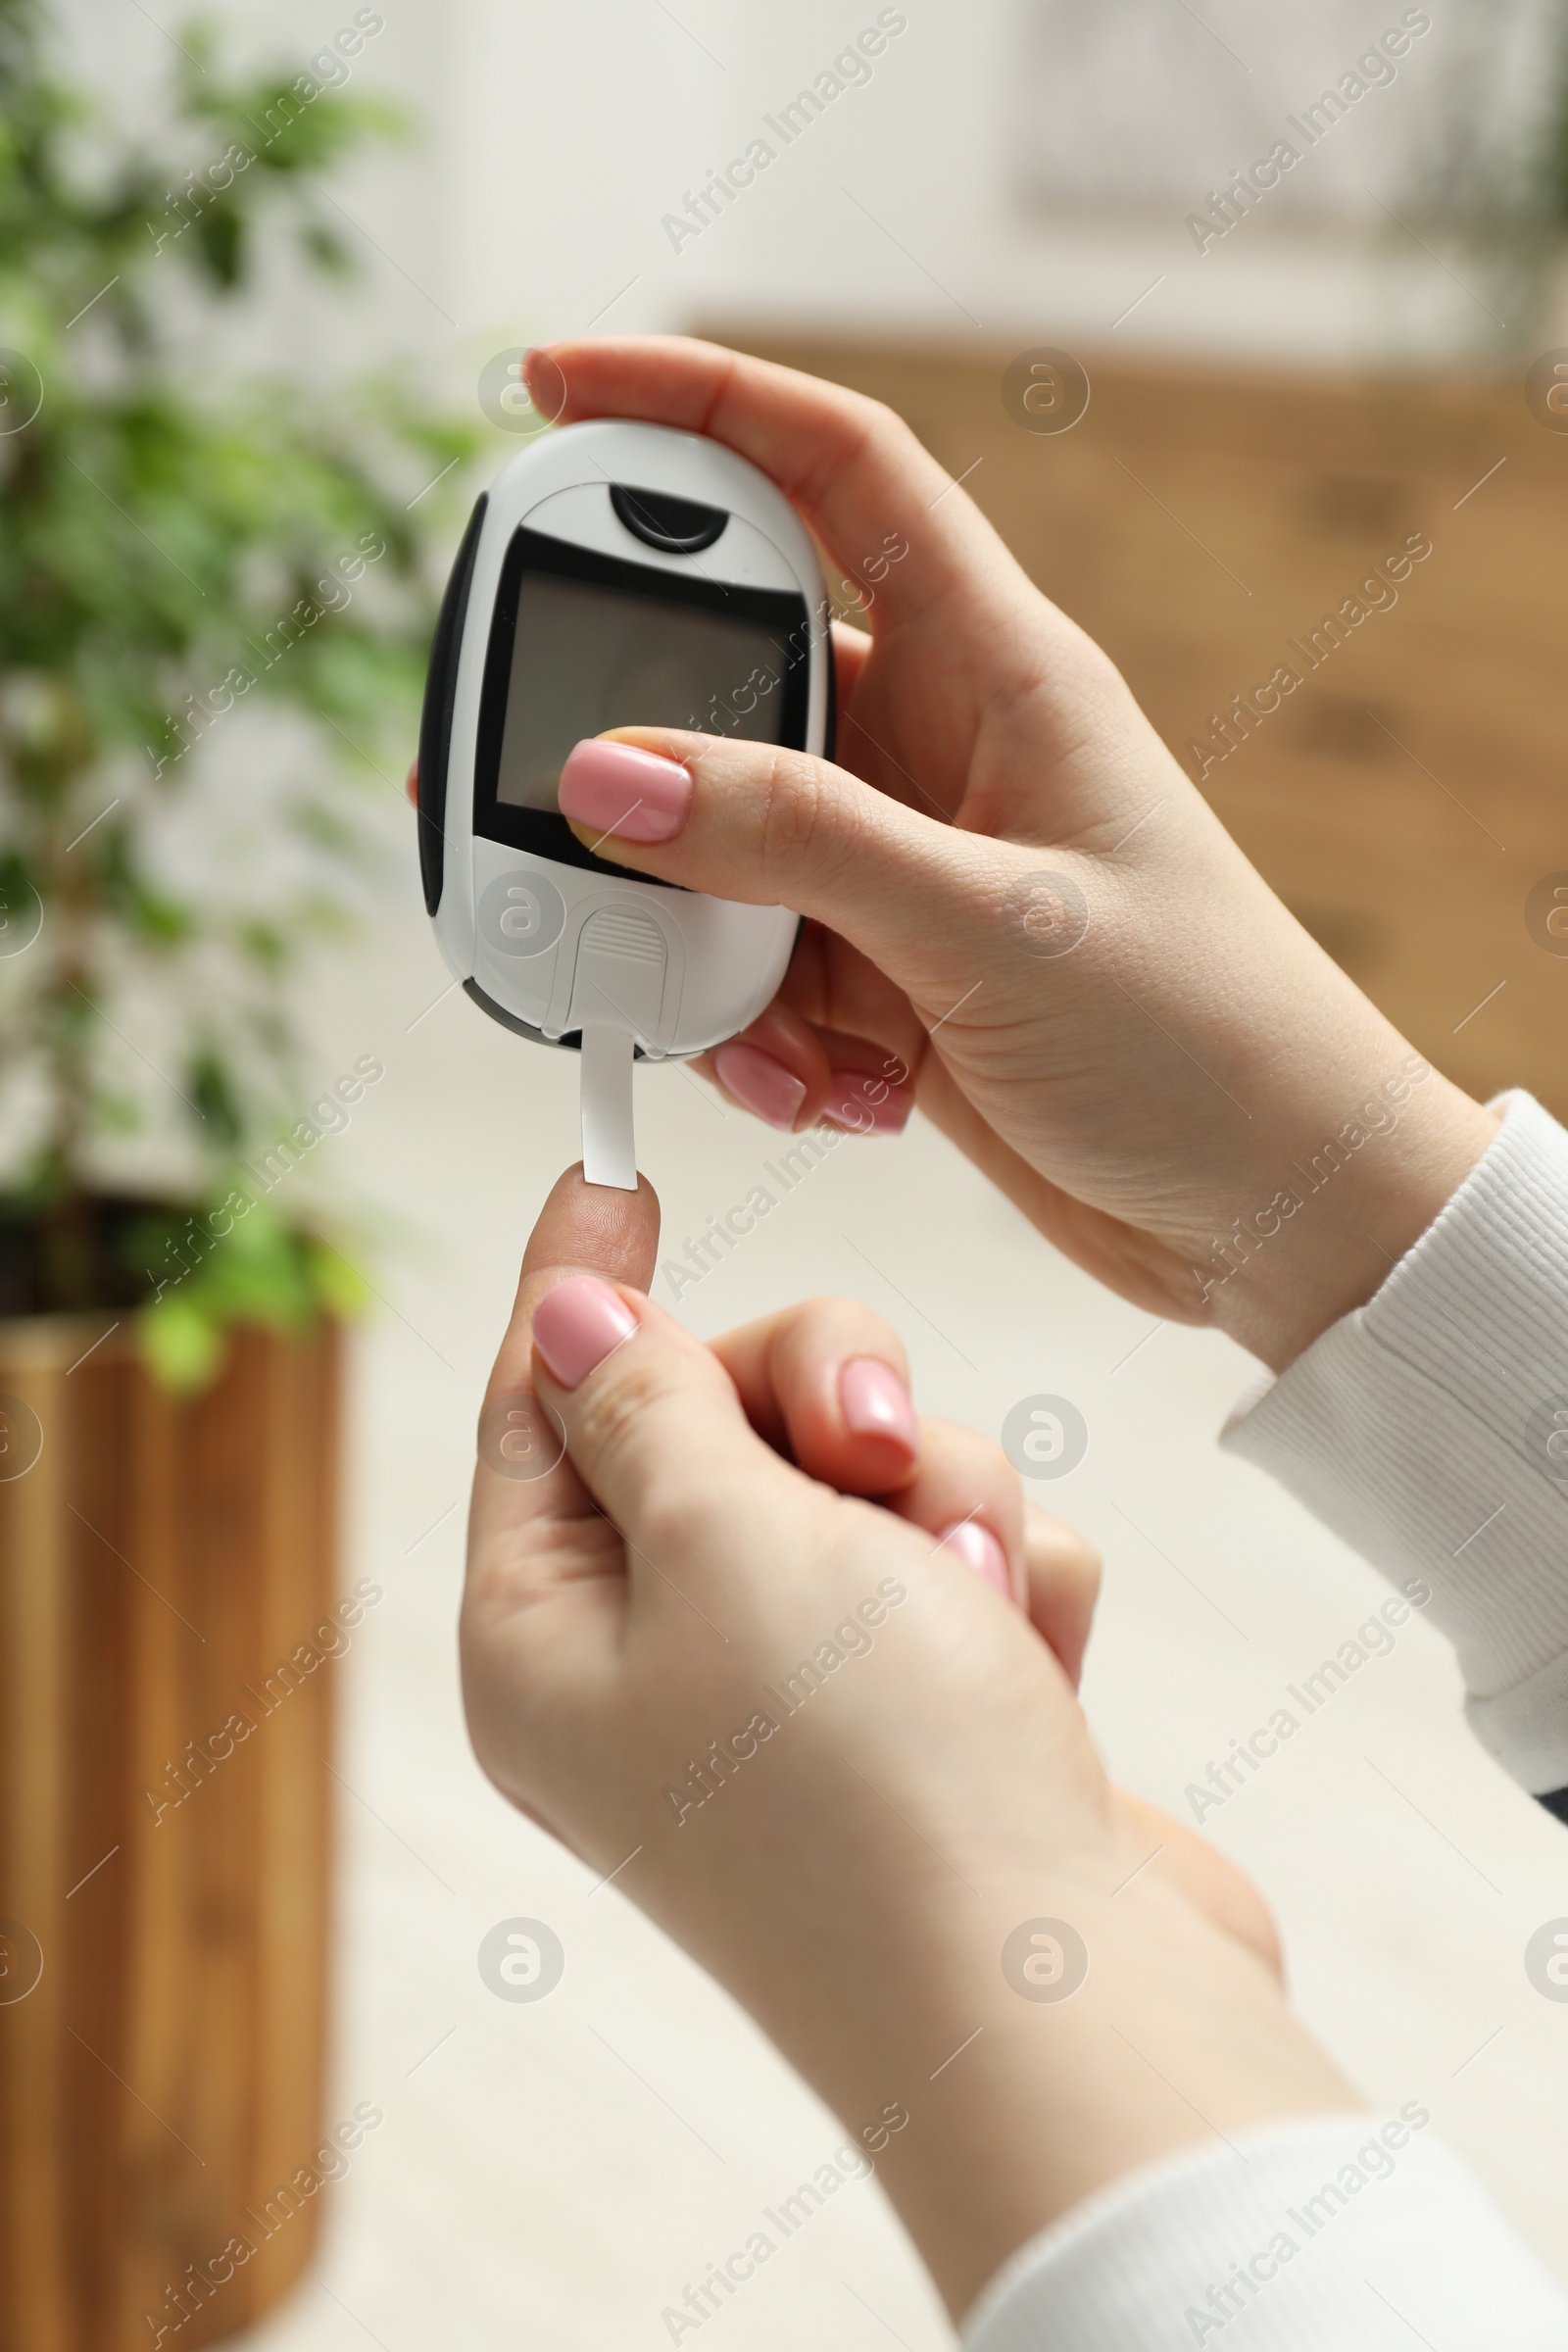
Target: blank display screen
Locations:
point(586, 657)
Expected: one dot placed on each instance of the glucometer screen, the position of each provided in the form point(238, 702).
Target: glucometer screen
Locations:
point(586, 657)
point(580, 641)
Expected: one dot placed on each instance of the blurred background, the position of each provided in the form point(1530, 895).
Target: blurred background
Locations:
point(1199, 402)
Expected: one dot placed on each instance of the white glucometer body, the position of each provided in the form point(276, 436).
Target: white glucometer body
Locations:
point(614, 574)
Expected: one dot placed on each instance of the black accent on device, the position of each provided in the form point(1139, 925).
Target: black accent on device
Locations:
point(1555, 1801)
point(435, 718)
point(680, 525)
point(581, 641)
point(571, 1038)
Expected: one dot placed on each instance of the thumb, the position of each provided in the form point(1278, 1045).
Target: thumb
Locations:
point(534, 1618)
point(775, 827)
point(655, 1431)
point(582, 1229)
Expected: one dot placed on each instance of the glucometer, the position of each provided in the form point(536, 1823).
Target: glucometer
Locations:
point(614, 574)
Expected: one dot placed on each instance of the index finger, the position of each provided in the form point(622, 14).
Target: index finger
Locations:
point(849, 466)
point(828, 1381)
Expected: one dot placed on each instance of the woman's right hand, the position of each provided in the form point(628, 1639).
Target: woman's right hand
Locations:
point(1023, 912)
point(723, 1638)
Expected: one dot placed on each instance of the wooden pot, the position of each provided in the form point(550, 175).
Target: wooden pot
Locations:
point(164, 1831)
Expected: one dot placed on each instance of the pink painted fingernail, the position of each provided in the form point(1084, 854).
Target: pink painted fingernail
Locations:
point(977, 1547)
point(760, 1084)
point(577, 1324)
point(634, 795)
point(876, 1403)
point(866, 1103)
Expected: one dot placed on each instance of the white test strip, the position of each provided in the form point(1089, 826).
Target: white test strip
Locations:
point(608, 1138)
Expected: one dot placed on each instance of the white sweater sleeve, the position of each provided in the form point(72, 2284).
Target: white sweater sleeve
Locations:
point(1353, 2233)
point(1430, 1431)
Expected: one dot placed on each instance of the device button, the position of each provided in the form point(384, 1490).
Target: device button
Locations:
point(520, 913)
point(680, 525)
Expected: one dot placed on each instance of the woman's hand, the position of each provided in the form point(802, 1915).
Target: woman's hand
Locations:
point(1024, 915)
point(834, 1762)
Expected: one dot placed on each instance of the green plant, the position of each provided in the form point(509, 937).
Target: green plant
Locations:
point(180, 546)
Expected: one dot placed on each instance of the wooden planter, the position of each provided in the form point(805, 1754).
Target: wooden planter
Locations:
point(159, 1562)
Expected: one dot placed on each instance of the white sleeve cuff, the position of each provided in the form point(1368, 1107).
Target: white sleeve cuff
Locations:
point(1430, 1431)
point(1348, 2234)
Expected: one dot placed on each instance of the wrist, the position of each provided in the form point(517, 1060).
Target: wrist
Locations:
point(997, 2111)
point(1353, 1195)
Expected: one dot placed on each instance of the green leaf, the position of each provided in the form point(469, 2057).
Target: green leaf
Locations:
point(182, 1344)
point(212, 1090)
point(339, 1286)
point(167, 525)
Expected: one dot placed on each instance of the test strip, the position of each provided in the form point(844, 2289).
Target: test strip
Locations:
point(609, 1140)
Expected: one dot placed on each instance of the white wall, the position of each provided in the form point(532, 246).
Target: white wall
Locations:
point(554, 142)
point(900, 208)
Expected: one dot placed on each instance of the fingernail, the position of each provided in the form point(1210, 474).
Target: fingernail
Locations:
point(577, 1324)
point(634, 795)
point(977, 1547)
point(543, 381)
point(876, 1403)
point(867, 1104)
point(760, 1084)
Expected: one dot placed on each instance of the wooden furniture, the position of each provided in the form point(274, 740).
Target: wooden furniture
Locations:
point(1410, 795)
point(158, 1560)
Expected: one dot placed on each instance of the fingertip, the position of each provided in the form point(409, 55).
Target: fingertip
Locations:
point(877, 1410)
point(777, 1069)
point(545, 382)
point(756, 1082)
point(1062, 1585)
point(974, 1543)
point(964, 1494)
point(1063, 1549)
point(862, 1102)
point(598, 1228)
